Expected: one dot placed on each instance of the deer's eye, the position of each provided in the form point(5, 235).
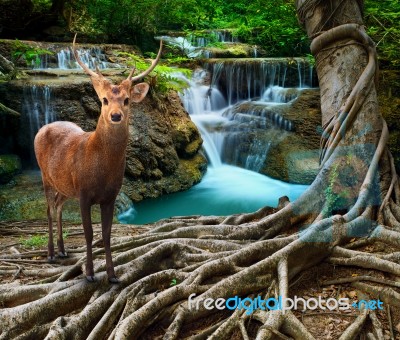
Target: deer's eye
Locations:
point(105, 101)
point(126, 101)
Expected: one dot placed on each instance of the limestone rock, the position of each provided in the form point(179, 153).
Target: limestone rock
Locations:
point(296, 158)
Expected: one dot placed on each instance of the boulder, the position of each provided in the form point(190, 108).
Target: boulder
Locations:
point(295, 159)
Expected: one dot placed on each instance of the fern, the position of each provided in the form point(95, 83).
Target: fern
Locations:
point(30, 54)
point(163, 78)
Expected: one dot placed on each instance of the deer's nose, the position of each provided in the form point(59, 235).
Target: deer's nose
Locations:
point(116, 117)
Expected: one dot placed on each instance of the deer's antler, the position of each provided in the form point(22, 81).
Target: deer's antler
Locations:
point(79, 61)
point(151, 68)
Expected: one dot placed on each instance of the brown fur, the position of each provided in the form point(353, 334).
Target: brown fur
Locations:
point(88, 166)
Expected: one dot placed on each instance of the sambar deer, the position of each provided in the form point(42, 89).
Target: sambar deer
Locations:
point(89, 165)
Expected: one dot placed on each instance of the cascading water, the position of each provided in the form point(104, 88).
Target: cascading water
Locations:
point(246, 79)
point(229, 129)
point(37, 111)
point(90, 57)
point(66, 60)
point(194, 46)
point(184, 45)
point(222, 36)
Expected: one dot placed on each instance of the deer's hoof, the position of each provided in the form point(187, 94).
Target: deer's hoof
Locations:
point(51, 259)
point(90, 278)
point(113, 280)
point(62, 254)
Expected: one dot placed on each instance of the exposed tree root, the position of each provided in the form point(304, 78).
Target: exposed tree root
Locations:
point(219, 269)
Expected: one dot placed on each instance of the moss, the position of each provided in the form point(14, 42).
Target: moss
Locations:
point(194, 168)
point(193, 147)
point(10, 165)
point(186, 137)
point(230, 52)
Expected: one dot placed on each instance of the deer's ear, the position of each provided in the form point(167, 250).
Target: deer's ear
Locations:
point(139, 91)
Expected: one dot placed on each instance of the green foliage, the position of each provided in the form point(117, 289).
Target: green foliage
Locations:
point(336, 199)
point(330, 194)
point(174, 282)
point(271, 25)
point(167, 81)
point(30, 54)
point(163, 78)
point(383, 25)
point(176, 60)
point(310, 58)
point(36, 241)
point(41, 5)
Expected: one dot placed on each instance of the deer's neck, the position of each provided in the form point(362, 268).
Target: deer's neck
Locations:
point(111, 140)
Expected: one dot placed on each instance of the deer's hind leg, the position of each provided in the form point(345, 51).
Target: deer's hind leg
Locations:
point(50, 197)
point(59, 202)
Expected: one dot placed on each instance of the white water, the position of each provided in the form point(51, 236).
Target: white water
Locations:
point(91, 57)
point(195, 47)
point(225, 189)
point(37, 111)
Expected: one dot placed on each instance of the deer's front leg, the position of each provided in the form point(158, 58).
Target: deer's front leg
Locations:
point(107, 213)
point(88, 230)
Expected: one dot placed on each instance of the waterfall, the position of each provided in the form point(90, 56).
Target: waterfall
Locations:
point(194, 46)
point(238, 132)
point(66, 61)
point(222, 36)
point(240, 113)
point(90, 57)
point(37, 111)
point(244, 79)
point(255, 51)
point(43, 62)
point(183, 44)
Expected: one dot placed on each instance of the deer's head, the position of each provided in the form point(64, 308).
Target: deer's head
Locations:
point(116, 99)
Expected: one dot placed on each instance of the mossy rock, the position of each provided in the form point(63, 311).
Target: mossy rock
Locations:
point(291, 162)
point(233, 50)
point(188, 173)
point(186, 137)
point(10, 165)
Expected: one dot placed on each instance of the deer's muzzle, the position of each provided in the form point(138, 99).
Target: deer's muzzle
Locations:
point(116, 117)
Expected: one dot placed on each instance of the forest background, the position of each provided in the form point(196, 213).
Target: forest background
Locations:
point(270, 24)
